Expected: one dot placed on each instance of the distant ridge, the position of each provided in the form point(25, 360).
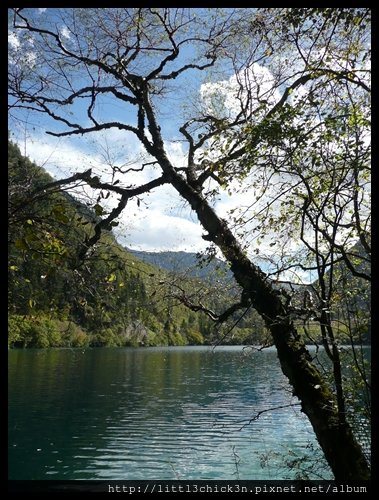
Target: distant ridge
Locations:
point(185, 263)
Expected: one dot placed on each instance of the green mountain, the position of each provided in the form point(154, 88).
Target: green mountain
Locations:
point(112, 298)
point(186, 263)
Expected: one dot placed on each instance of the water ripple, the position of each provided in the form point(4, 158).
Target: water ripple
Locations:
point(151, 413)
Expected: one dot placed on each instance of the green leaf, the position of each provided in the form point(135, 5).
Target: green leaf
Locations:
point(21, 244)
point(99, 210)
point(62, 218)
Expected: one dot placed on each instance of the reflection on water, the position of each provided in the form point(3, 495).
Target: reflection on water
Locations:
point(154, 413)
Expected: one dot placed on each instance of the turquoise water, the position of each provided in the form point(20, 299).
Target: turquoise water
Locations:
point(155, 413)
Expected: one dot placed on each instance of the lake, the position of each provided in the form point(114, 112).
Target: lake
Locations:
point(155, 413)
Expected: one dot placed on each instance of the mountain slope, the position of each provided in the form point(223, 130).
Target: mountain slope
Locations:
point(186, 263)
point(113, 298)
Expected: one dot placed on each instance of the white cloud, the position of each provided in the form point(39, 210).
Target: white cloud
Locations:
point(58, 156)
point(65, 33)
point(13, 40)
point(153, 230)
point(225, 99)
point(42, 10)
point(31, 59)
point(176, 154)
point(21, 51)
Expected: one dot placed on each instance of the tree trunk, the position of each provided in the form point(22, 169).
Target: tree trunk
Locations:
point(341, 450)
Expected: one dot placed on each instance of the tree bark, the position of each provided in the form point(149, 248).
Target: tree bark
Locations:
point(342, 451)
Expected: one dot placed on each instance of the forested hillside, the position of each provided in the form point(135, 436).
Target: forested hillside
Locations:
point(190, 262)
point(111, 298)
point(351, 300)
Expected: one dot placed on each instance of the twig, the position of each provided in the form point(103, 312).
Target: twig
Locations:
point(257, 415)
